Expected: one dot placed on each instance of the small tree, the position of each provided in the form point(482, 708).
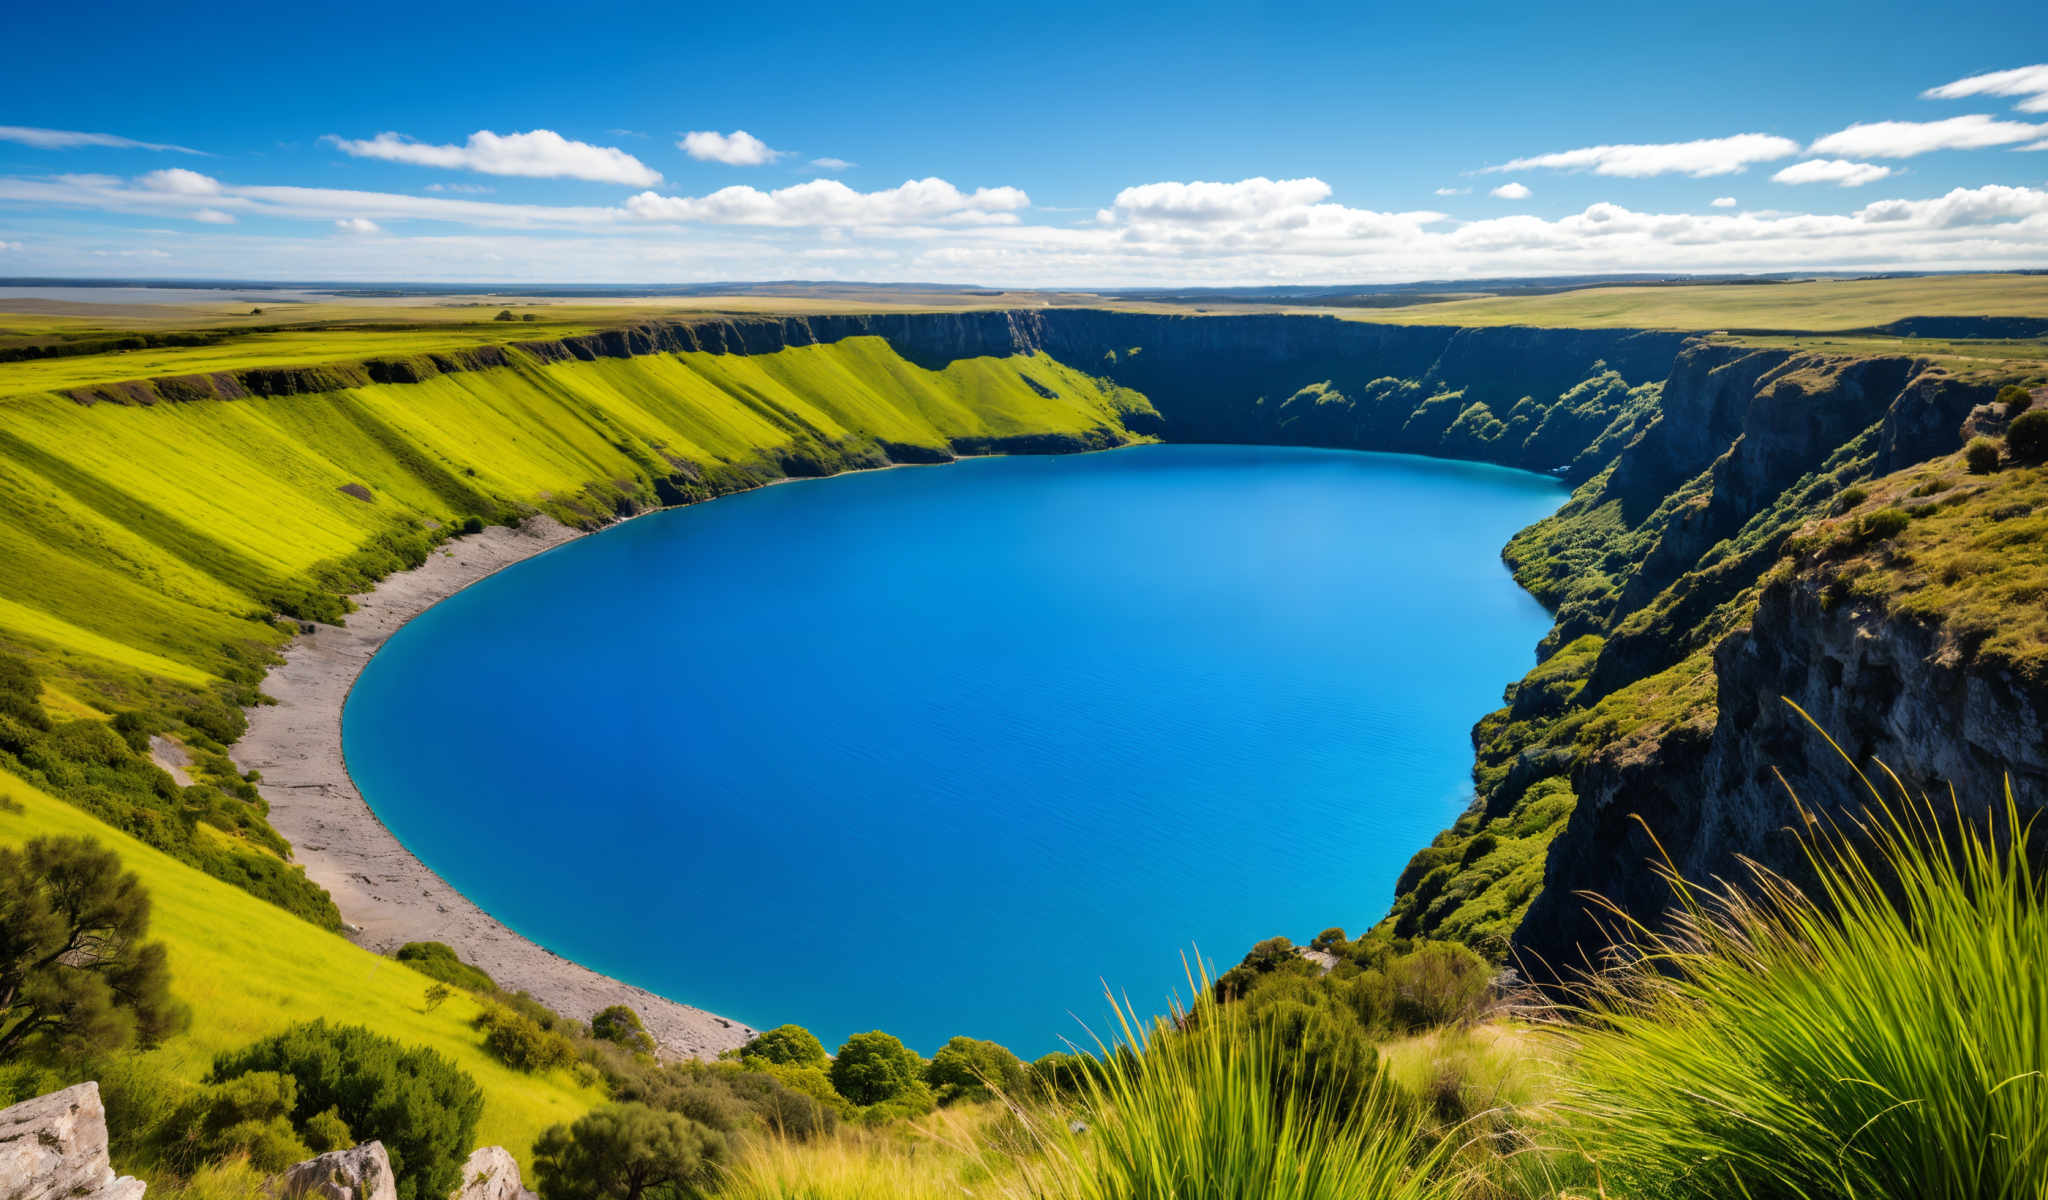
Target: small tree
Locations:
point(873, 1068)
point(75, 974)
point(622, 1025)
point(2014, 399)
point(788, 1046)
point(2028, 437)
point(437, 995)
point(970, 1069)
point(1981, 456)
point(504, 314)
point(626, 1152)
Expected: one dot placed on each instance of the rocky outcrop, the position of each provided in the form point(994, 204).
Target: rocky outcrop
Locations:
point(491, 1173)
point(55, 1148)
point(360, 1173)
point(1885, 689)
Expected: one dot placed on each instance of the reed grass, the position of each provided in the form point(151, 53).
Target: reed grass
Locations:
point(1881, 1032)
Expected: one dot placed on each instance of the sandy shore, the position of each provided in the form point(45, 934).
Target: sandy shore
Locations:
point(385, 894)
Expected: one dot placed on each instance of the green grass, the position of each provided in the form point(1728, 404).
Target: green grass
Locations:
point(1882, 1034)
point(249, 970)
point(1814, 305)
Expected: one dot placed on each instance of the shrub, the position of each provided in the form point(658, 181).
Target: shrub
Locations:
point(326, 1132)
point(621, 1026)
point(76, 975)
point(437, 960)
point(2027, 437)
point(1326, 1060)
point(421, 1106)
point(969, 1069)
point(626, 1152)
point(873, 1068)
point(1981, 456)
point(1198, 1107)
point(788, 1045)
point(2014, 399)
point(520, 1042)
point(1874, 1034)
point(1436, 984)
point(250, 1114)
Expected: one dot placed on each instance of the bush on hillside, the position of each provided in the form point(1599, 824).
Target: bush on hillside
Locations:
point(250, 1114)
point(627, 1152)
point(1435, 984)
point(970, 1069)
point(520, 1042)
point(875, 1068)
point(621, 1026)
point(437, 960)
point(421, 1106)
point(2014, 399)
point(76, 976)
point(2027, 437)
point(1326, 1056)
point(787, 1045)
point(1981, 456)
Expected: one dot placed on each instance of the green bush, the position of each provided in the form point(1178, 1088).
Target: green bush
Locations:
point(1876, 1032)
point(2014, 399)
point(1326, 1058)
point(970, 1069)
point(249, 1114)
point(627, 1152)
point(621, 1026)
point(788, 1045)
point(874, 1068)
point(1981, 455)
point(1436, 984)
point(421, 1106)
point(2027, 437)
point(437, 960)
point(520, 1042)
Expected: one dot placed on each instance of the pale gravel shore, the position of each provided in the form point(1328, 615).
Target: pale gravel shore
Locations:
point(386, 895)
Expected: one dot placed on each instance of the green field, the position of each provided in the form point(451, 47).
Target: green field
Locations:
point(249, 970)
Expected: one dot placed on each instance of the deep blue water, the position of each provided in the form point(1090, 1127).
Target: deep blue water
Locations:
point(937, 749)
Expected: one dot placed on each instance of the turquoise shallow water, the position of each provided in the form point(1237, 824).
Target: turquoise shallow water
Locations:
point(936, 750)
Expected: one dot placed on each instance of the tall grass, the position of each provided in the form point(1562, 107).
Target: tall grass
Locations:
point(1882, 1033)
point(1202, 1106)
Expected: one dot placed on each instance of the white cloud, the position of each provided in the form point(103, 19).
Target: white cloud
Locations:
point(736, 149)
point(540, 154)
point(829, 163)
point(1832, 170)
point(1511, 191)
point(1454, 191)
point(180, 182)
point(1699, 159)
point(213, 216)
point(131, 254)
point(65, 139)
point(1203, 201)
point(1904, 139)
point(2028, 82)
point(5, 246)
point(1723, 202)
point(830, 202)
point(462, 189)
point(357, 225)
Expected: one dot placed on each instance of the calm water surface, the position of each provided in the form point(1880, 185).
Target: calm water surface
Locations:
point(936, 750)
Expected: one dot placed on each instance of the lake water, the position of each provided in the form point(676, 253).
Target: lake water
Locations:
point(936, 750)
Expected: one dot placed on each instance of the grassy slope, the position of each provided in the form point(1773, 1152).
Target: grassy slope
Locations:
point(249, 970)
point(144, 537)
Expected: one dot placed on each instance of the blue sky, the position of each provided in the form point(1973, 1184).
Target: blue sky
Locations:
point(1055, 144)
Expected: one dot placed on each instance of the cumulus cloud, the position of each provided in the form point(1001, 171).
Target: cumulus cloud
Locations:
point(1699, 159)
point(736, 149)
point(213, 216)
point(2029, 83)
point(540, 154)
point(357, 225)
point(829, 163)
point(1203, 201)
point(830, 202)
point(1723, 202)
point(1840, 171)
point(1904, 139)
point(1511, 191)
point(179, 182)
point(66, 139)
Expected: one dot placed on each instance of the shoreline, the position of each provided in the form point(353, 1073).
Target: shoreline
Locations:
point(386, 895)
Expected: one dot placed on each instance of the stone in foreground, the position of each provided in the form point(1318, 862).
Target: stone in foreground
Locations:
point(54, 1147)
point(361, 1173)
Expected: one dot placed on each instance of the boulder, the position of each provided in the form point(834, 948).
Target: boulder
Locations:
point(55, 1148)
point(491, 1174)
point(361, 1173)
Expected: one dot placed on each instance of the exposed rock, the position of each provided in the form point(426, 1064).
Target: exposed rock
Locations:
point(360, 1173)
point(55, 1148)
point(491, 1174)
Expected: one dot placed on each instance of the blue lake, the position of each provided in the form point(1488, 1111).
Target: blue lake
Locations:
point(937, 750)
